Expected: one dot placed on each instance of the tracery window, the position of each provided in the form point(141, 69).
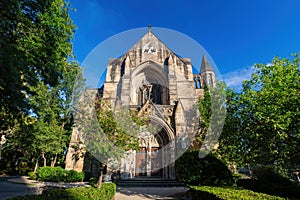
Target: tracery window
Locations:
point(154, 92)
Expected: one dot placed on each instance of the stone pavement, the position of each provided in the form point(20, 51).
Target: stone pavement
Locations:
point(19, 186)
point(146, 193)
point(23, 186)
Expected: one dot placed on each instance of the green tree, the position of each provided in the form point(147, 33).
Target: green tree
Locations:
point(13, 103)
point(212, 109)
point(204, 106)
point(262, 125)
point(103, 129)
point(114, 140)
point(37, 77)
point(52, 107)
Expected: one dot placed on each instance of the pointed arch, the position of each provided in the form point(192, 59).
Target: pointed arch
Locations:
point(151, 74)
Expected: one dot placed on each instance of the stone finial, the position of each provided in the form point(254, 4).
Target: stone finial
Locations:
point(149, 28)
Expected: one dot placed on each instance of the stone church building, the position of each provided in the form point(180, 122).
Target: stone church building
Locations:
point(152, 80)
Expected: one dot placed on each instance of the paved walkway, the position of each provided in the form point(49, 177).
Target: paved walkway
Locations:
point(142, 193)
point(17, 186)
point(8, 189)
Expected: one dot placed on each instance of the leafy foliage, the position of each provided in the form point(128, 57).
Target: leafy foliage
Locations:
point(262, 124)
point(192, 170)
point(112, 129)
point(219, 193)
point(57, 174)
point(35, 45)
point(271, 188)
point(36, 79)
point(212, 111)
point(106, 192)
point(268, 180)
point(32, 175)
point(271, 175)
point(103, 135)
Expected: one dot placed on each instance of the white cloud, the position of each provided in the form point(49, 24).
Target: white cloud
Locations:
point(235, 78)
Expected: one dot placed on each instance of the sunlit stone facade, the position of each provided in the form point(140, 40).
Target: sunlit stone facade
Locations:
point(152, 80)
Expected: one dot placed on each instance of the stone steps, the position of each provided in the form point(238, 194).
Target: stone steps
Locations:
point(149, 182)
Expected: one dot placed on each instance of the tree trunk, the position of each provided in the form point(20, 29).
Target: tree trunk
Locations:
point(99, 183)
point(36, 165)
point(53, 162)
point(45, 160)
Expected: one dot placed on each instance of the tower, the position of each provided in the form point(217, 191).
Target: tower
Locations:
point(207, 73)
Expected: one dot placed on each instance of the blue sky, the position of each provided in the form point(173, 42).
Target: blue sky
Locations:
point(236, 34)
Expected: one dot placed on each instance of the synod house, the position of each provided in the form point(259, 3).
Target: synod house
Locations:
point(155, 82)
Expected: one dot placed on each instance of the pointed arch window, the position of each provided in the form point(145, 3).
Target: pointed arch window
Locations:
point(210, 80)
point(156, 94)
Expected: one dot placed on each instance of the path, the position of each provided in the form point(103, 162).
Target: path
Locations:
point(144, 193)
point(8, 189)
point(16, 186)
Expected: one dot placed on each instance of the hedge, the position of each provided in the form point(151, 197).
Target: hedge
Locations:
point(230, 193)
point(56, 174)
point(268, 180)
point(192, 170)
point(291, 191)
point(106, 192)
point(271, 175)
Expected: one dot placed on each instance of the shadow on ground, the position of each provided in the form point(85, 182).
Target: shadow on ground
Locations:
point(9, 189)
point(152, 192)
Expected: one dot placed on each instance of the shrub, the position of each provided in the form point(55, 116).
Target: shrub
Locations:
point(93, 182)
point(291, 191)
point(51, 174)
point(270, 181)
point(106, 192)
point(23, 168)
point(58, 174)
point(32, 175)
point(218, 193)
point(271, 175)
point(256, 185)
point(74, 176)
point(191, 170)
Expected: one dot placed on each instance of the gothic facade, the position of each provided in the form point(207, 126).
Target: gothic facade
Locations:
point(152, 80)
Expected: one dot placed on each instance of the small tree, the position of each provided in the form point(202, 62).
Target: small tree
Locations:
point(103, 135)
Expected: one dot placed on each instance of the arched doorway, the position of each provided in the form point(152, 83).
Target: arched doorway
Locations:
point(151, 158)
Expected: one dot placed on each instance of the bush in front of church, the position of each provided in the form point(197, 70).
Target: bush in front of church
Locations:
point(106, 192)
point(56, 174)
point(210, 171)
